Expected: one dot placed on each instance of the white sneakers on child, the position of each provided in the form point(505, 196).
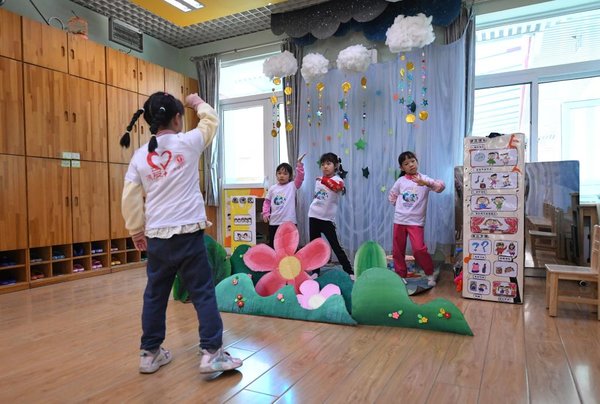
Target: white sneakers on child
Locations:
point(151, 362)
point(219, 361)
point(431, 280)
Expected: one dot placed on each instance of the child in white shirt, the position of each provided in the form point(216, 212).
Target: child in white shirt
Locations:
point(323, 209)
point(280, 203)
point(409, 195)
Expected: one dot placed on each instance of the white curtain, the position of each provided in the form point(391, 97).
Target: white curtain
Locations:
point(364, 212)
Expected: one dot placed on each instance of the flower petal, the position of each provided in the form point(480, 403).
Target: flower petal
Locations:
point(286, 239)
point(299, 280)
point(261, 258)
point(309, 287)
point(269, 284)
point(314, 255)
point(303, 300)
point(330, 290)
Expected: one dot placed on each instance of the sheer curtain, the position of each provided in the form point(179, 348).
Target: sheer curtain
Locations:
point(364, 212)
point(294, 108)
point(207, 68)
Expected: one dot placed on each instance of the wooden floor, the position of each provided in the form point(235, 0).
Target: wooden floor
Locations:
point(78, 341)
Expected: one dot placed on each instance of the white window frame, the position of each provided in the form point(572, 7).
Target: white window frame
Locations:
point(534, 77)
point(271, 145)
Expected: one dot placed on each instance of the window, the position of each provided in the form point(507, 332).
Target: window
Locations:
point(540, 74)
point(250, 153)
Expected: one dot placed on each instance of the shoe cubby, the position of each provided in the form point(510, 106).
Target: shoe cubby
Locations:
point(81, 250)
point(98, 248)
point(100, 263)
point(123, 254)
point(63, 252)
point(143, 256)
point(81, 264)
point(13, 271)
point(61, 267)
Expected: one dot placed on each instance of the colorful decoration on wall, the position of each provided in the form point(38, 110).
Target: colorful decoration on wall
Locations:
point(314, 67)
point(353, 59)
point(405, 34)
point(276, 67)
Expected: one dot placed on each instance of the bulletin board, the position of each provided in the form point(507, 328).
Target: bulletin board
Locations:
point(239, 216)
point(493, 227)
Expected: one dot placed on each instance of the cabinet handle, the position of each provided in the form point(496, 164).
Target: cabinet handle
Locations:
point(76, 201)
point(67, 201)
point(72, 54)
point(74, 117)
point(62, 49)
point(142, 129)
point(134, 74)
point(67, 116)
point(181, 90)
point(141, 77)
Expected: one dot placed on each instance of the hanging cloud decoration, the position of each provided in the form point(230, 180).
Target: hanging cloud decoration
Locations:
point(354, 59)
point(282, 65)
point(314, 66)
point(409, 32)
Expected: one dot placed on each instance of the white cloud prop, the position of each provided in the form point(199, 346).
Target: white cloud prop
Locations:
point(354, 59)
point(314, 66)
point(282, 65)
point(409, 32)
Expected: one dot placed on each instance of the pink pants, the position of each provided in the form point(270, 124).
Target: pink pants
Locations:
point(422, 257)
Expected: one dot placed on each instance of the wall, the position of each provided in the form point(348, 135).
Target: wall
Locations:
point(155, 51)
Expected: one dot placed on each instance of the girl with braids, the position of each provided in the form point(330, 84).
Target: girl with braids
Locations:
point(323, 208)
point(164, 213)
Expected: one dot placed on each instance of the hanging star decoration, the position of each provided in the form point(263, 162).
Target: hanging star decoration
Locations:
point(360, 144)
point(339, 135)
point(341, 104)
point(383, 188)
point(342, 173)
point(365, 172)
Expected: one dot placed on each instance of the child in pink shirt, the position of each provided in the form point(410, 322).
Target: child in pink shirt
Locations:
point(409, 195)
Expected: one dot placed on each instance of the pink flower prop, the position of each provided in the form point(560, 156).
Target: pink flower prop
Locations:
point(284, 264)
point(310, 298)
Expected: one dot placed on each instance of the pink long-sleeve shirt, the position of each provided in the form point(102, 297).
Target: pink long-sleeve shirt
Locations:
point(410, 199)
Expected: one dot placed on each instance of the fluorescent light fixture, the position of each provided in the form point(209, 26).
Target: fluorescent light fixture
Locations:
point(185, 5)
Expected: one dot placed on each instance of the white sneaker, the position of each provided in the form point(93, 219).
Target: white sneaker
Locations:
point(431, 280)
point(219, 361)
point(151, 362)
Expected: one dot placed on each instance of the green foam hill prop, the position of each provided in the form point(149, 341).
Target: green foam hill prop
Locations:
point(238, 266)
point(380, 297)
point(236, 294)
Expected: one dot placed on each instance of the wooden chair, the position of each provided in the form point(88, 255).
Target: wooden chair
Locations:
point(548, 240)
point(555, 273)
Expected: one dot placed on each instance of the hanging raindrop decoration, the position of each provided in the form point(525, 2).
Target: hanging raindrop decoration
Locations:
point(314, 67)
point(353, 59)
point(276, 67)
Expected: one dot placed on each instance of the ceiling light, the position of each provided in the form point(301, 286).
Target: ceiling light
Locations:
point(185, 5)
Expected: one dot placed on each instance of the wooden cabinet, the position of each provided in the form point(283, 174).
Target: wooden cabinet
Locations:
point(88, 126)
point(121, 107)
point(87, 59)
point(13, 215)
point(12, 124)
point(44, 45)
point(191, 118)
point(175, 84)
point(121, 70)
point(143, 126)
point(10, 35)
point(48, 202)
point(89, 196)
point(75, 120)
point(116, 180)
point(151, 78)
point(48, 117)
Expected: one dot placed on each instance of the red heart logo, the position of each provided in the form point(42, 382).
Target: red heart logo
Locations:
point(163, 160)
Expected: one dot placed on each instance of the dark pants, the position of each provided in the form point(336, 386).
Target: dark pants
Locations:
point(186, 254)
point(316, 228)
point(272, 230)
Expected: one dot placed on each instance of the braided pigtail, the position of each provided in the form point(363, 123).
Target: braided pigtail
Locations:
point(125, 139)
point(157, 121)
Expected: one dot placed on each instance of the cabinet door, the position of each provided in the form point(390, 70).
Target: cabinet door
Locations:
point(44, 45)
point(121, 107)
point(48, 202)
point(87, 105)
point(10, 35)
point(13, 215)
point(12, 125)
point(116, 181)
point(175, 84)
point(143, 126)
point(151, 78)
point(121, 70)
point(191, 118)
point(47, 122)
point(87, 59)
point(89, 184)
